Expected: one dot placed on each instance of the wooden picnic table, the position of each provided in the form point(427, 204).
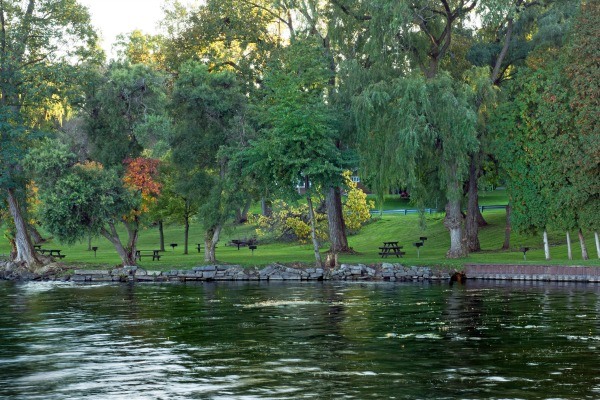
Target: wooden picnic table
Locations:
point(52, 252)
point(391, 249)
point(155, 254)
point(243, 242)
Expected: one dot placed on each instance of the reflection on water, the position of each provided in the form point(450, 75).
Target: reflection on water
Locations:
point(299, 340)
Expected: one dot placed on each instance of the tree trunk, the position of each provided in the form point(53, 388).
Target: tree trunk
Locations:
point(597, 243)
point(241, 214)
point(35, 234)
point(211, 238)
point(25, 250)
point(584, 252)
point(133, 234)
point(113, 237)
point(569, 249)
point(265, 208)
point(507, 229)
point(161, 235)
point(89, 242)
point(471, 223)
point(337, 227)
point(313, 234)
point(453, 222)
point(186, 234)
point(546, 246)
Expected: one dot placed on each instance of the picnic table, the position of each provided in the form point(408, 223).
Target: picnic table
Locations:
point(243, 242)
point(52, 252)
point(155, 254)
point(391, 249)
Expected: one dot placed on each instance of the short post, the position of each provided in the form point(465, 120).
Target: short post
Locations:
point(524, 250)
point(95, 248)
point(199, 247)
point(173, 245)
point(418, 246)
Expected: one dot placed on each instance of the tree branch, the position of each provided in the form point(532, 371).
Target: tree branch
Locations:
point(502, 55)
point(347, 11)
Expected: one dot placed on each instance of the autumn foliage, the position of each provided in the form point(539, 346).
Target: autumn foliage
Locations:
point(141, 175)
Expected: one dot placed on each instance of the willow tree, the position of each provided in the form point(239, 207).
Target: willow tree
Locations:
point(43, 44)
point(417, 122)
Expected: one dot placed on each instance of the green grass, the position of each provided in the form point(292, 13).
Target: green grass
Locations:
point(405, 229)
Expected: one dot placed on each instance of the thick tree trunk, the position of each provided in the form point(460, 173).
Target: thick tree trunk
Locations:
point(569, 249)
point(454, 223)
point(161, 235)
point(211, 238)
point(112, 236)
point(25, 250)
point(546, 245)
point(471, 223)
point(584, 252)
point(507, 229)
point(337, 226)
point(597, 243)
point(313, 234)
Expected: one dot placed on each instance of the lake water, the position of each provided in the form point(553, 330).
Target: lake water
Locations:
point(299, 341)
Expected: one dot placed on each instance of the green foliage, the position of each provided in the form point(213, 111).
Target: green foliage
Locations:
point(296, 142)
point(127, 113)
point(83, 201)
point(545, 142)
point(411, 127)
point(207, 107)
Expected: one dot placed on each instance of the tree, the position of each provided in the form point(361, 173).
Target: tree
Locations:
point(44, 45)
point(206, 108)
point(296, 142)
point(409, 135)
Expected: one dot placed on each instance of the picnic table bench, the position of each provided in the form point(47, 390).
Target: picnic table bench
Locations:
point(155, 254)
point(391, 249)
point(52, 252)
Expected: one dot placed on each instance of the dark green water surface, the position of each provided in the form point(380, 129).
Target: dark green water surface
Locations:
point(299, 340)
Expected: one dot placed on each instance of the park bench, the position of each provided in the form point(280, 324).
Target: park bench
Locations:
point(155, 254)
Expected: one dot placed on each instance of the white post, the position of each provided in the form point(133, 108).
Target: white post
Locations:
point(597, 243)
point(546, 245)
point(569, 251)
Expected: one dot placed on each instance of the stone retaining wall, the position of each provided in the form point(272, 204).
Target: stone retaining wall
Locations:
point(274, 272)
point(554, 273)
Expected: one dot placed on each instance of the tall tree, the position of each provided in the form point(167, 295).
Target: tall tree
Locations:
point(296, 142)
point(43, 44)
point(406, 120)
point(207, 107)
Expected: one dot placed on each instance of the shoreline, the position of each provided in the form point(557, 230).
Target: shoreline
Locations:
point(385, 272)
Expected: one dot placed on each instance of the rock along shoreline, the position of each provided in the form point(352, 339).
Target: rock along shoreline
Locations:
point(273, 272)
point(391, 272)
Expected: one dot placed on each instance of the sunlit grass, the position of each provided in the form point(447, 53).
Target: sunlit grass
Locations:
point(404, 229)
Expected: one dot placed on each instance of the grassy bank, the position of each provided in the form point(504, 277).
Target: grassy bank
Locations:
point(405, 229)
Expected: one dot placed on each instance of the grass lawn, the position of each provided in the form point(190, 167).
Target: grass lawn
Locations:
point(405, 229)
